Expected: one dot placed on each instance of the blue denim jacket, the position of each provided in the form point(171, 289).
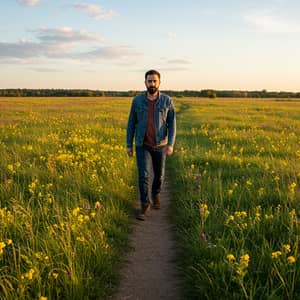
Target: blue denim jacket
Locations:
point(164, 120)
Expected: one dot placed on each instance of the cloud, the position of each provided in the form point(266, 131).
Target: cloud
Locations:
point(28, 2)
point(267, 22)
point(27, 52)
point(65, 35)
point(108, 52)
point(95, 11)
point(21, 50)
point(63, 43)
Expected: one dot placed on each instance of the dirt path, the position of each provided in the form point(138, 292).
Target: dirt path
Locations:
point(149, 271)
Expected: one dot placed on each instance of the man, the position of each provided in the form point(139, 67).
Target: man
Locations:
point(153, 124)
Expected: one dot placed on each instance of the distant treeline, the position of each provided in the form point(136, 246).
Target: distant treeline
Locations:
point(185, 93)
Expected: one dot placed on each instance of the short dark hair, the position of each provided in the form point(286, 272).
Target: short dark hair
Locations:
point(152, 72)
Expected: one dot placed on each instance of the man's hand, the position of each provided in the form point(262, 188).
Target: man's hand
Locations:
point(169, 150)
point(129, 152)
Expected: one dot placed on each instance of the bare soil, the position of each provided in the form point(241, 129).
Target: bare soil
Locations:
point(149, 270)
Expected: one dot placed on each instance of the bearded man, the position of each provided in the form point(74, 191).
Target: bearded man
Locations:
point(152, 123)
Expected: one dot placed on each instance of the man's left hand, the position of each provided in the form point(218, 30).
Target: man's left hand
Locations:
point(169, 150)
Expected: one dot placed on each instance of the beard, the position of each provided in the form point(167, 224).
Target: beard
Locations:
point(152, 90)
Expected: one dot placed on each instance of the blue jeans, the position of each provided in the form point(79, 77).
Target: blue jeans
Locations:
point(148, 159)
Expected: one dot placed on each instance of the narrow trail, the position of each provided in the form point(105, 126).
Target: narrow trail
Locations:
point(149, 271)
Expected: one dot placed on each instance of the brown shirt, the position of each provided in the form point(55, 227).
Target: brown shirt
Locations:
point(150, 139)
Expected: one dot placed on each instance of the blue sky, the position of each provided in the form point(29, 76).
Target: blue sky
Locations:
point(108, 45)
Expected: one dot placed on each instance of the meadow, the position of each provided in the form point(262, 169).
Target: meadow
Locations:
point(67, 191)
point(236, 175)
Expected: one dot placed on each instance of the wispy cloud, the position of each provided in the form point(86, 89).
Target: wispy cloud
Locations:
point(177, 64)
point(111, 53)
point(268, 22)
point(52, 43)
point(95, 11)
point(21, 50)
point(63, 43)
point(28, 2)
point(65, 35)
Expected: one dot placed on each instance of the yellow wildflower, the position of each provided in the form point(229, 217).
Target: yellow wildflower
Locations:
point(204, 210)
point(80, 218)
point(32, 186)
point(257, 216)
point(261, 191)
point(230, 218)
point(268, 217)
point(98, 205)
point(240, 214)
point(276, 178)
point(230, 192)
point(230, 257)
point(55, 275)
point(10, 167)
point(29, 274)
point(76, 211)
point(286, 248)
point(244, 225)
point(291, 259)
point(43, 298)
point(2, 246)
point(276, 254)
point(39, 255)
point(80, 239)
point(237, 214)
point(249, 182)
point(244, 260)
point(243, 214)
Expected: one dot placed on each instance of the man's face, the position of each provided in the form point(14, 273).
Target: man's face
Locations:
point(152, 83)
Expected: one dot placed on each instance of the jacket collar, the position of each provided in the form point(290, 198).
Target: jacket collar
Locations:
point(145, 96)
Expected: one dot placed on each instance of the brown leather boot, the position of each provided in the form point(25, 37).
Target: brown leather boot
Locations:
point(145, 211)
point(156, 201)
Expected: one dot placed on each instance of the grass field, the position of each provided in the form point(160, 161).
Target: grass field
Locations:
point(236, 189)
point(67, 191)
point(66, 194)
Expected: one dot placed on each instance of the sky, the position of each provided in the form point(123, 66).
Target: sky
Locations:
point(109, 45)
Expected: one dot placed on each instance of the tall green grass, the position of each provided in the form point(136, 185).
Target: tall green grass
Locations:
point(236, 195)
point(66, 196)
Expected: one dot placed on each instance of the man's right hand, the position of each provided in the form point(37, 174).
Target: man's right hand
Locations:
point(129, 152)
